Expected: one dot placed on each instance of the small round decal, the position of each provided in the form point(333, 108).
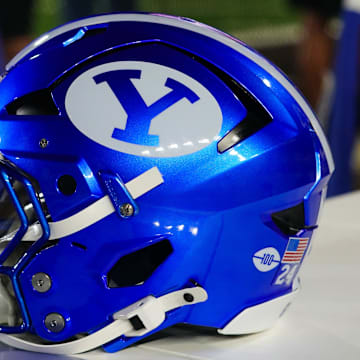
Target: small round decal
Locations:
point(266, 259)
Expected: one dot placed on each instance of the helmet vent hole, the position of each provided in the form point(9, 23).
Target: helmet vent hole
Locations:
point(291, 220)
point(257, 115)
point(36, 103)
point(78, 245)
point(133, 269)
point(256, 119)
point(66, 184)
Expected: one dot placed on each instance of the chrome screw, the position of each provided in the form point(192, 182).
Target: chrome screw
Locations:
point(41, 282)
point(54, 322)
point(43, 143)
point(126, 210)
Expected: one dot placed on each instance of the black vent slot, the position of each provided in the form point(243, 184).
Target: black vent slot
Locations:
point(94, 30)
point(36, 103)
point(257, 118)
point(85, 32)
point(292, 220)
point(133, 269)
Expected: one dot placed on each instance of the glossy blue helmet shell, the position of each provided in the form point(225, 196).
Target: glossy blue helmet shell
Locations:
point(97, 102)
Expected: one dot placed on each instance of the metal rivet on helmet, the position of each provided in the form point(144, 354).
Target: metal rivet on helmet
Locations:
point(41, 282)
point(54, 322)
point(127, 210)
point(43, 143)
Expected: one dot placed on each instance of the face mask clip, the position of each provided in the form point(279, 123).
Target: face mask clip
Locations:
point(120, 197)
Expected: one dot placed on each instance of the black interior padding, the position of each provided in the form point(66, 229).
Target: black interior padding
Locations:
point(35, 103)
point(94, 31)
point(292, 220)
point(257, 118)
point(134, 268)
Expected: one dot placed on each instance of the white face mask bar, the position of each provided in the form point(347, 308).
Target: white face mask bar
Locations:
point(137, 319)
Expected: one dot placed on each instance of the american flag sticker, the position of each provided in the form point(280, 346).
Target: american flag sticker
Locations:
point(295, 250)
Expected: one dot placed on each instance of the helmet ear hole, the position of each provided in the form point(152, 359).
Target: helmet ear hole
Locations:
point(134, 268)
point(66, 184)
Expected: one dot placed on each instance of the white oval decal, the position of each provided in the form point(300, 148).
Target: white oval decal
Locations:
point(266, 259)
point(144, 109)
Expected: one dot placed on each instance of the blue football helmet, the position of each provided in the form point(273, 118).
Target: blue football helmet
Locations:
point(154, 171)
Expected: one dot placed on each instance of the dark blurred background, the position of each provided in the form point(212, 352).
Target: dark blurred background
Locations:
point(271, 26)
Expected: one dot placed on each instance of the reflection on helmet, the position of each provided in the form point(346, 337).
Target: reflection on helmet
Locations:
point(155, 171)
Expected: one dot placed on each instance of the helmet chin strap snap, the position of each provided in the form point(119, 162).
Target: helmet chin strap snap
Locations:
point(137, 319)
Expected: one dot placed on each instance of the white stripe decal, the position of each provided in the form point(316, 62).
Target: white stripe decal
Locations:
point(98, 210)
point(144, 182)
point(104, 207)
point(81, 220)
point(202, 29)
